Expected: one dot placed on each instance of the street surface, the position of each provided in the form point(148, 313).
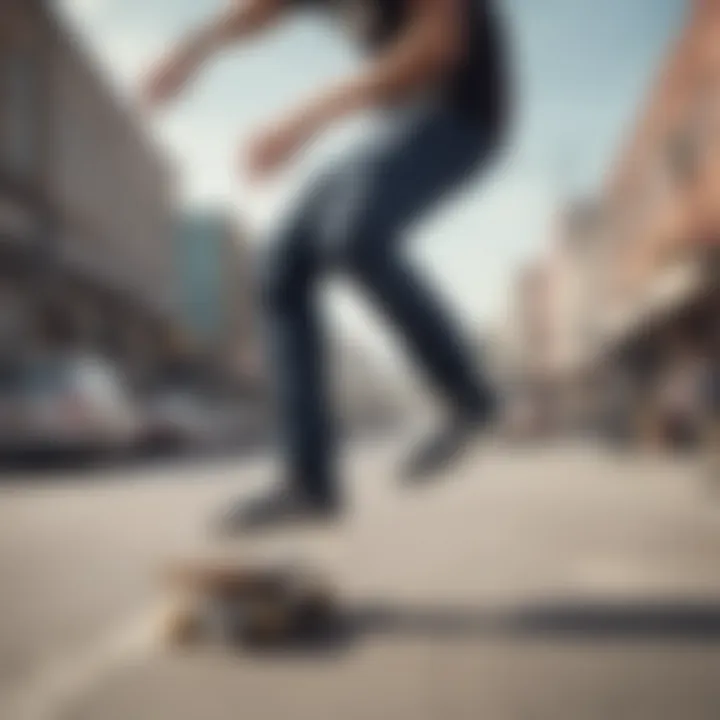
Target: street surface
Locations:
point(542, 584)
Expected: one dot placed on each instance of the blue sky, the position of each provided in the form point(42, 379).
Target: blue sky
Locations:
point(583, 68)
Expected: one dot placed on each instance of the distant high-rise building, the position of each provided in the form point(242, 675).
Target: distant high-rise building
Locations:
point(201, 247)
point(214, 268)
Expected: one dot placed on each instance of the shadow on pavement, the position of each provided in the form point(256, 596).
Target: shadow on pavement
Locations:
point(37, 465)
point(638, 620)
point(647, 621)
point(51, 467)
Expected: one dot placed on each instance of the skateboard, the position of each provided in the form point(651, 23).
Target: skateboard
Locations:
point(229, 603)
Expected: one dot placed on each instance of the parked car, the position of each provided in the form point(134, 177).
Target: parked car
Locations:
point(77, 404)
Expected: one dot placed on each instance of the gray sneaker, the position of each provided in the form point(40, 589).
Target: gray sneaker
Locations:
point(279, 508)
point(444, 447)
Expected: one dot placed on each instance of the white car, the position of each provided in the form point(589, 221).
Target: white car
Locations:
point(68, 404)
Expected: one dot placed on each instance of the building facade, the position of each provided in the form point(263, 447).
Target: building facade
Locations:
point(663, 199)
point(85, 198)
point(663, 213)
point(25, 210)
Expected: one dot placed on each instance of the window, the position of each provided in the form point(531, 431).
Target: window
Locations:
point(20, 108)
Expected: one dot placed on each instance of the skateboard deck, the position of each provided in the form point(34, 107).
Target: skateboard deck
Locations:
point(226, 602)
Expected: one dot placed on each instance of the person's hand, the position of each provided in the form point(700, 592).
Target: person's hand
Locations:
point(275, 145)
point(167, 79)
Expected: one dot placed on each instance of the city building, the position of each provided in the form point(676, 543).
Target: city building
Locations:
point(577, 268)
point(86, 207)
point(553, 330)
point(662, 210)
point(216, 300)
point(527, 337)
point(24, 161)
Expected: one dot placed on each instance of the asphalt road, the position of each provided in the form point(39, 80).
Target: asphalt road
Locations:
point(554, 583)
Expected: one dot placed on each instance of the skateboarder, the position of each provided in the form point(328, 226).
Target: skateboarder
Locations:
point(435, 75)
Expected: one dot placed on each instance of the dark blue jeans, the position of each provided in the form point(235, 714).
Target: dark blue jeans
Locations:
point(352, 220)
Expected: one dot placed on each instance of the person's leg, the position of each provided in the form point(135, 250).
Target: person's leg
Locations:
point(296, 355)
point(390, 188)
point(427, 329)
point(287, 287)
point(356, 214)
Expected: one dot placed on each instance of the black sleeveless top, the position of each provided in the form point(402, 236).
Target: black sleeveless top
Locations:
point(478, 87)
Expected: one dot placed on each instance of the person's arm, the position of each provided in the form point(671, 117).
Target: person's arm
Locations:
point(240, 20)
point(429, 47)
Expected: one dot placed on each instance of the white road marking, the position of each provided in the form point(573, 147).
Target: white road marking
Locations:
point(50, 690)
